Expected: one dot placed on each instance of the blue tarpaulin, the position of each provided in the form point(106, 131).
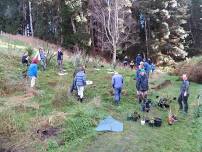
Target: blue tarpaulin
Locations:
point(110, 124)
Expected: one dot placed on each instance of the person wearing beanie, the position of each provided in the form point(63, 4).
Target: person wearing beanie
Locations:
point(33, 72)
point(138, 59)
point(142, 86)
point(117, 85)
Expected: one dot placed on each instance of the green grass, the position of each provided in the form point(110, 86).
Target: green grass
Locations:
point(79, 127)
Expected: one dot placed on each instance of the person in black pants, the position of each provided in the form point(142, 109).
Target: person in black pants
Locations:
point(184, 94)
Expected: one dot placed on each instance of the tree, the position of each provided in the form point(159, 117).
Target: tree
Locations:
point(112, 16)
point(167, 26)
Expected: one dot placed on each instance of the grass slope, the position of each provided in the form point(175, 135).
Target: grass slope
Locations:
point(19, 123)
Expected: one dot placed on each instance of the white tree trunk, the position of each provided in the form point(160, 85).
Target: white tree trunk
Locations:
point(30, 17)
point(114, 56)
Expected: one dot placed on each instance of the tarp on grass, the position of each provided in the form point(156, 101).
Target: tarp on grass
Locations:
point(110, 124)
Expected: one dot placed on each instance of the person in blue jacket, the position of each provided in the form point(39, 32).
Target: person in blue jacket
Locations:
point(80, 83)
point(117, 85)
point(147, 68)
point(138, 59)
point(142, 86)
point(33, 72)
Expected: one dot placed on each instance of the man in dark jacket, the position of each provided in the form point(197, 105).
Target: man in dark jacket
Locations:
point(138, 59)
point(142, 86)
point(60, 59)
point(184, 94)
point(117, 85)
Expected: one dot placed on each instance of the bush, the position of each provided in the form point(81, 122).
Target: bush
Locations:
point(192, 68)
point(30, 51)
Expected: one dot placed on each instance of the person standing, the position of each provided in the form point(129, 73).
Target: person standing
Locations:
point(80, 83)
point(33, 72)
point(142, 86)
point(184, 94)
point(25, 59)
point(138, 59)
point(43, 58)
point(125, 61)
point(60, 59)
point(117, 85)
point(147, 68)
point(132, 65)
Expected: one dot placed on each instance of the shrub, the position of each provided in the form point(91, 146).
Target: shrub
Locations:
point(192, 68)
point(30, 51)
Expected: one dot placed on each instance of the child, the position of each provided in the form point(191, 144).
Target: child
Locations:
point(33, 72)
point(132, 64)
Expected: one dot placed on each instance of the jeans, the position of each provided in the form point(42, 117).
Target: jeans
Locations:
point(60, 65)
point(182, 100)
point(117, 95)
point(80, 91)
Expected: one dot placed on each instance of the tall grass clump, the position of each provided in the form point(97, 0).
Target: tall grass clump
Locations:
point(80, 126)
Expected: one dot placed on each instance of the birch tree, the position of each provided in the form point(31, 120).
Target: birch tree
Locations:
point(112, 16)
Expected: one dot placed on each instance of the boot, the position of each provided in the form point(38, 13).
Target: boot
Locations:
point(81, 100)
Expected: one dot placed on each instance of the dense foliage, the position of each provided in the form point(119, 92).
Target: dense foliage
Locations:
point(169, 27)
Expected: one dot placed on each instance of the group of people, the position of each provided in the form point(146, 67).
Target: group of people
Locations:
point(143, 69)
point(39, 57)
point(149, 65)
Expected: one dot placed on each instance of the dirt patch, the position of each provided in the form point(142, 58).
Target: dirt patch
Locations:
point(162, 85)
point(44, 134)
point(52, 83)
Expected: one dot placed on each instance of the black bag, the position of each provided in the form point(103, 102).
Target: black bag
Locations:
point(157, 122)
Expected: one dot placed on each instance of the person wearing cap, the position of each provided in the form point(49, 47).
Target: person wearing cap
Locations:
point(138, 59)
point(117, 85)
point(80, 83)
point(184, 94)
point(60, 59)
point(142, 86)
point(33, 72)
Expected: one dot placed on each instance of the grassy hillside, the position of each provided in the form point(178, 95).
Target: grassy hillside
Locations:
point(23, 115)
